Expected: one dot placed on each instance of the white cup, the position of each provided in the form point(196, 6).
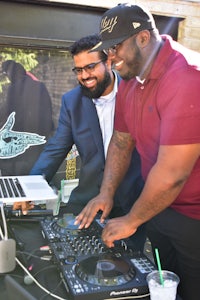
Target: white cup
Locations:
point(165, 291)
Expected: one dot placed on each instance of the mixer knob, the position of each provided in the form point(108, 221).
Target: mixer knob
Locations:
point(73, 247)
point(89, 250)
point(102, 249)
point(96, 249)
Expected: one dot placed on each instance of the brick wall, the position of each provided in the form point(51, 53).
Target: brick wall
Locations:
point(189, 28)
point(57, 74)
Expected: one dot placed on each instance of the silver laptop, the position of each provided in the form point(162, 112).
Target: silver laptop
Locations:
point(25, 188)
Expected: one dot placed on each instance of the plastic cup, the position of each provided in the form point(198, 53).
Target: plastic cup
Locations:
point(168, 290)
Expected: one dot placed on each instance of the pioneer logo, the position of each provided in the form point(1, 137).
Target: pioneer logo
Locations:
point(126, 292)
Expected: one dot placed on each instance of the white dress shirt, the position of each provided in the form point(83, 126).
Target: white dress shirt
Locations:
point(105, 107)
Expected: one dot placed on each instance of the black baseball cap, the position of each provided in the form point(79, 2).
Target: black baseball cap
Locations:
point(121, 22)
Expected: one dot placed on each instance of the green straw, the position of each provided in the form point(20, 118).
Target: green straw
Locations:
point(159, 266)
point(62, 186)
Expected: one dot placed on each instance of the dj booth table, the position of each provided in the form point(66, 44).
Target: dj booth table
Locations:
point(34, 255)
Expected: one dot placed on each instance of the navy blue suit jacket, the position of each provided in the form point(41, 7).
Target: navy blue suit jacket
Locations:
point(79, 125)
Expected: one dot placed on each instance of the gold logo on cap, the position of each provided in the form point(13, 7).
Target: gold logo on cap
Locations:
point(108, 24)
point(136, 25)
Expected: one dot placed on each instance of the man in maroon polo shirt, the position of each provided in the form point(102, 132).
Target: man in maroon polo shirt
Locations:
point(158, 112)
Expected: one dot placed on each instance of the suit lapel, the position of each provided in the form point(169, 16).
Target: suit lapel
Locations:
point(93, 123)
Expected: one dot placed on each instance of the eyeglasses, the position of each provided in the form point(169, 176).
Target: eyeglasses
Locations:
point(88, 68)
point(111, 50)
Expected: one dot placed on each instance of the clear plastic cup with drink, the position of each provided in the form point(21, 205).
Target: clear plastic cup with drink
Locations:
point(165, 289)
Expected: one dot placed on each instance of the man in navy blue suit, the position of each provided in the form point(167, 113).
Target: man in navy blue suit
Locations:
point(86, 120)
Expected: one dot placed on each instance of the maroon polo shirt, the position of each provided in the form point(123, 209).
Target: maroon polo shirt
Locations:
point(165, 110)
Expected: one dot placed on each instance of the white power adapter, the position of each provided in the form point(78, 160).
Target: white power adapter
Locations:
point(7, 255)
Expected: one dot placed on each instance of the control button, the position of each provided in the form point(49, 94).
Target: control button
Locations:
point(70, 259)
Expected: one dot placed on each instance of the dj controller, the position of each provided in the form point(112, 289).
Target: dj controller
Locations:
point(89, 269)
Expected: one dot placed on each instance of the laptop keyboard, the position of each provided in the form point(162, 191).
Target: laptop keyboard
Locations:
point(11, 187)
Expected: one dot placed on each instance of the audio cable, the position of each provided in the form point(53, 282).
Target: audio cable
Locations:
point(36, 282)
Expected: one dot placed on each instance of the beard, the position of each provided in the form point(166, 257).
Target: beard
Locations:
point(99, 89)
point(133, 67)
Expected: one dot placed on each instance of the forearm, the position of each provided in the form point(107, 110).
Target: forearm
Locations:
point(117, 162)
point(164, 183)
point(158, 193)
